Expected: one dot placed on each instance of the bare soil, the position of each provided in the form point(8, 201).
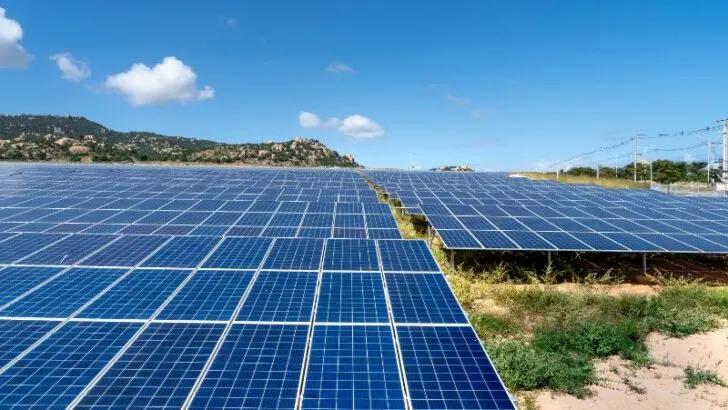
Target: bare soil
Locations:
point(659, 386)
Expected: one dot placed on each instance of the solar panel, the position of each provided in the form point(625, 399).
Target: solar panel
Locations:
point(126, 251)
point(446, 368)
point(58, 369)
point(136, 296)
point(63, 295)
point(280, 297)
point(352, 297)
point(458, 238)
point(14, 281)
point(209, 295)
point(69, 250)
point(352, 367)
point(295, 254)
point(159, 369)
point(18, 335)
point(182, 252)
point(528, 240)
point(239, 253)
point(422, 298)
point(258, 366)
point(25, 244)
point(351, 255)
point(407, 256)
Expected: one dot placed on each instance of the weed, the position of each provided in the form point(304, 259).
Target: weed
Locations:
point(632, 386)
point(696, 376)
point(489, 326)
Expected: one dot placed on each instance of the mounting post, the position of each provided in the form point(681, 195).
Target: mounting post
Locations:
point(429, 235)
point(644, 264)
point(452, 258)
point(548, 258)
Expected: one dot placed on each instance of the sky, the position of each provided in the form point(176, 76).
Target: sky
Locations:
point(497, 85)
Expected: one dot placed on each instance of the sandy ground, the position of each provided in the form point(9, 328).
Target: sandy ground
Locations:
point(661, 385)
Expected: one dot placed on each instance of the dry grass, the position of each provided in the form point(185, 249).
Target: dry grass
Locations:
point(571, 179)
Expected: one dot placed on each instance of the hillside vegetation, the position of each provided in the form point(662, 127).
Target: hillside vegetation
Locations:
point(67, 138)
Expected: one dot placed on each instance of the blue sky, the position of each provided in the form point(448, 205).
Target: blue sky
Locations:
point(499, 85)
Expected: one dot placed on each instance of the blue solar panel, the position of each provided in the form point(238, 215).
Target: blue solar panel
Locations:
point(632, 242)
point(24, 244)
point(477, 223)
point(318, 220)
point(407, 256)
point(506, 223)
point(95, 216)
point(223, 218)
point(126, 251)
point(279, 232)
point(209, 295)
point(57, 370)
point(280, 297)
point(564, 241)
point(314, 233)
point(289, 220)
point(254, 219)
point(258, 366)
point(349, 208)
point(422, 298)
point(350, 233)
point(68, 228)
point(528, 240)
point(182, 252)
point(597, 241)
point(349, 221)
point(18, 335)
point(239, 253)
point(381, 222)
point(352, 367)
point(69, 250)
point(458, 238)
point(295, 254)
point(137, 296)
point(14, 281)
point(351, 255)
point(384, 234)
point(667, 243)
point(65, 294)
point(352, 297)
point(159, 369)
point(701, 243)
point(446, 368)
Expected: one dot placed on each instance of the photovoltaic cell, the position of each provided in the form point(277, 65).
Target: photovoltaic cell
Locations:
point(209, 295)
point(14, 281)
point(24, 244)
point(528, 240)
point(137, 296)
point(57, 370)
point(182, 252)
point(18, 335)
point(352, 297)
point(384, 234)
point(446, 368)
point(64, 294)
point(69, 250)
point(407, 256)
point(458, 238)
point(258, 366)
point(280, 297)
point(295, 254)
point(564, 241)
point(126, 251)
point(159, 369)
point(239, 253)
point(351, 255)
point(422, 298)
point(352, 367)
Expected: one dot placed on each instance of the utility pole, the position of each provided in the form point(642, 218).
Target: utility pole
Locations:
point(634, 158)
point(710, 160)
point(616, 165)
point(725, 150)
point(597, 163)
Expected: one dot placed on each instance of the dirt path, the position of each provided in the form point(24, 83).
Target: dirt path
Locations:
point(660, 386)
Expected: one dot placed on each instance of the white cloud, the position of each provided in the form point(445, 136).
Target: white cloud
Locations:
point(355, 126)
point(358, 126)
point(461, 101)
point(71, 69)
point(12, 54)
point(338, 68)
point(170, 80)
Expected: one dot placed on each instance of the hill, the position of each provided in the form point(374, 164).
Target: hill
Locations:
point(68, 138)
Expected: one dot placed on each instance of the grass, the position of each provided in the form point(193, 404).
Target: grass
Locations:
point(542, 337)
point(546, 338)
point(695, 376)
point(571, 179)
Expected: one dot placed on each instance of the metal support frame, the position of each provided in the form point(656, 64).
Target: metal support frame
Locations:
point(452, 258)
point(644, 264)
point(430, 235)
point(548, 258)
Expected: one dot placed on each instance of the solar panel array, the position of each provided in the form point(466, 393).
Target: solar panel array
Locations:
point(493, 211)
point(170, 319)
